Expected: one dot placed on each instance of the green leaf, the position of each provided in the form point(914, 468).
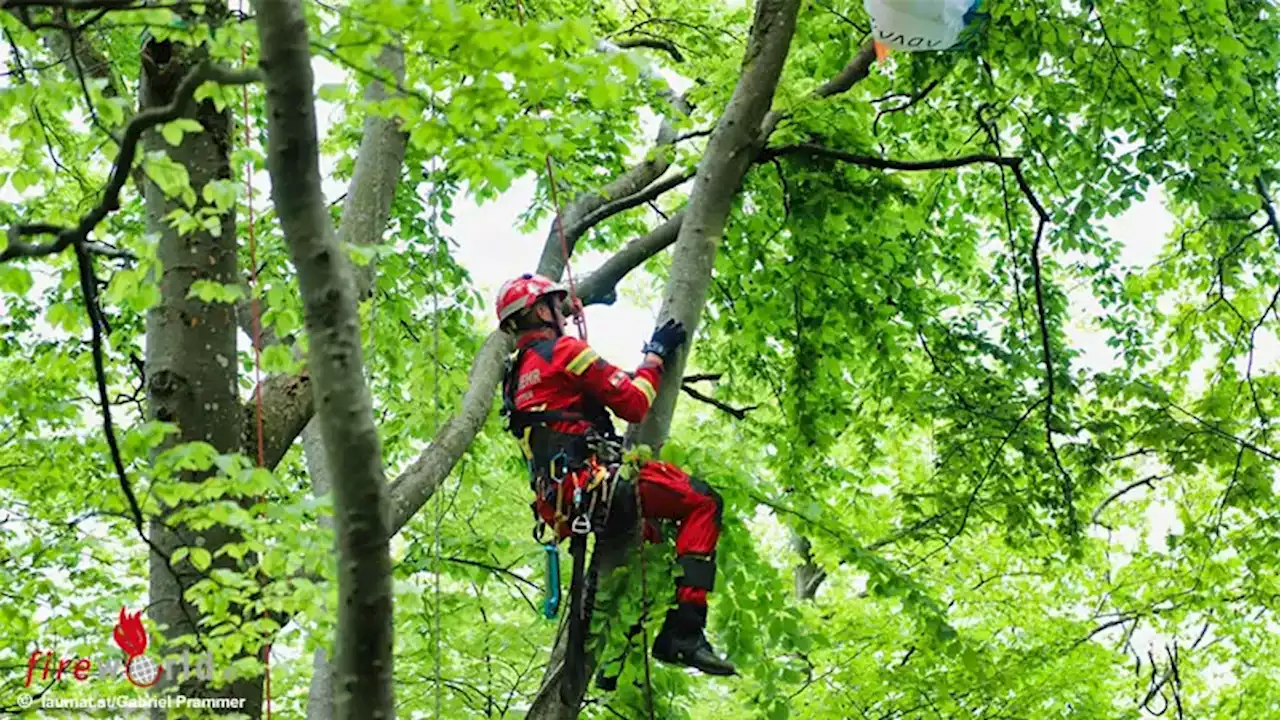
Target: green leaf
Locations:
point(174, 130)
point(64, 316)
point(14, 279)
point(200, 558)
point(211, 292)
point(278, 359)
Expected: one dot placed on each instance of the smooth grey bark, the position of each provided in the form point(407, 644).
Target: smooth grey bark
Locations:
point(343, 406)
point(733, 146)
point(286, 407)
point(601, 286)
point(190, 348)
point(320, 695)
point(730, 151)
point(365, 214)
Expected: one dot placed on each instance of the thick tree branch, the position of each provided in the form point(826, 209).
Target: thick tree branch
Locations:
point(365, 214)
point(653, 43)
point(608, 210)
point(857, 70)
point(420, 480)
point(287, 406)
point(600, 287)
point(110, 202)
point(869, 161)
point(741, 131)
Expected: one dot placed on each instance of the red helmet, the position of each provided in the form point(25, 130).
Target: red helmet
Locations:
point(522, 292)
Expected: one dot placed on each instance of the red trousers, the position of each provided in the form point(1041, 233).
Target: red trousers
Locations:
point(667, 493)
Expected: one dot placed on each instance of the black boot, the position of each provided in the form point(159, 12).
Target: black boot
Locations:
point(682, 642)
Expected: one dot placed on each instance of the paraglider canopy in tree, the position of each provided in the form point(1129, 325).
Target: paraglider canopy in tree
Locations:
point(922, 25)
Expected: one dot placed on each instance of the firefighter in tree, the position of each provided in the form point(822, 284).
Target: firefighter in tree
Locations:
point(555, 392)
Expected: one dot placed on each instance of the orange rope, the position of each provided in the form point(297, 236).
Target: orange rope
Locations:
point(579, 314)
point(257, 337)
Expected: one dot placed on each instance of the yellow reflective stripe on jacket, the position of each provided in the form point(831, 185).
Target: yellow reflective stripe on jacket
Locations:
point(579, 365)
point(645, 388)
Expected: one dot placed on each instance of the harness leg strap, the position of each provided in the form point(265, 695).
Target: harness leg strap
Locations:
point(699, 571)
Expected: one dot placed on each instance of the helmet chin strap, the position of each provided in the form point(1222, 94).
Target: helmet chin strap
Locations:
point(557, 327)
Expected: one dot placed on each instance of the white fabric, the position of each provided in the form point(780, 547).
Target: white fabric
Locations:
point(917, 25)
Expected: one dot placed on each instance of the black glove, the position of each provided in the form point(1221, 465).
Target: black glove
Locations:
point(666, 340)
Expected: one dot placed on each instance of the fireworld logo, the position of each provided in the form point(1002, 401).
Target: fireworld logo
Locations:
point(131, 637)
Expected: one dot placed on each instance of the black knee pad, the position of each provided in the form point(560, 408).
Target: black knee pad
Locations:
point(699, 571)
point(702, 488)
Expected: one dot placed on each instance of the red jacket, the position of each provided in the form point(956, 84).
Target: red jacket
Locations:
point(565, 374)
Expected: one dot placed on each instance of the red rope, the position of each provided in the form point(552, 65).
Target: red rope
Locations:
point(257, 338)
point(579, 316)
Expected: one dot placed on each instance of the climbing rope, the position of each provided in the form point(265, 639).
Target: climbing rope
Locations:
point(257, 338)
point(644, 607)
point(579, 316)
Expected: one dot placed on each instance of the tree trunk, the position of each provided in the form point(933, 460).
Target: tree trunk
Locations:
point(190, 347)
point(343, 406)
point(320, 696)
point(730, 151)
point(364, 219)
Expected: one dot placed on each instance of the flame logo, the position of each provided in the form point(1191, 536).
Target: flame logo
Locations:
point(129, 633)
point(131, 637)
